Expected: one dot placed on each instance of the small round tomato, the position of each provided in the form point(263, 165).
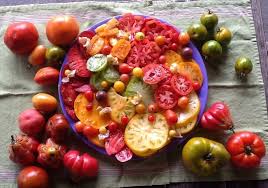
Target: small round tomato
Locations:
point(102, 130)
point(125, 68)
point(197, 32)
point(124, 78)
point(139, 36)
point(151, 118)
point(90, 131)
point(106, 50)
point(187, 53)
point(55, 54)
point(137, 71)
point(44, 102)
point(152, 108)
point(160, 40)
point(32, 177)
point(174, 47)
point(37, 56)
point(243, 66)
point(172, 133)
point(119, 86)
point(165, 97)
point(211, 49)
point(183, 102)
point(79, 126)
point(124, 120)
point(196, 86)
point(89, 107)
point(101, 96)
point(104, 84)
point(140, 108)
point(209, 20)
point(184, 38)
point(181, 85)
point(171, 117)
point(223, 36)
point(112, 126)
point(153, 73)
point(162, 59)
point(89, 95)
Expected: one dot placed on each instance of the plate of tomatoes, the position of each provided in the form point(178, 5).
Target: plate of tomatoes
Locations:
point(131, 85)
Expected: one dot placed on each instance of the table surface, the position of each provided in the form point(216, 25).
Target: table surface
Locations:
point(263, 40)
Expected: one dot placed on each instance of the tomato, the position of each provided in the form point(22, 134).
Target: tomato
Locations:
point(90, 131)
point(130, 23)
point(139, 36)
point(174, 47)
point(37, 57)
point(62, 30)
point(101, 97)
point(165, 97)
point(57, 127)
point(124, 155)
point(115, 142)
point(121, 49)
point(168, 75)
point(96, 45)
point(125, 68)
point(33, 177)
point(89, 107)
point(152, 108)
point(187, 53)
point(143, 52)
point(171, 117)
point(162, 59)
point(211, 49)
point(197, 32)
point(153, 73)
point(209, 20)
point(223, 36)
point(151, 118)
point(181, 85)
point(106, 50)
point(89, 95)
point(124, 78)
point(183, 102)
point(55, 54)
point(119, 86)
point(44, 102)
point(184, 38)
point(112, 126)
point(138, 72)
point(21, 37)
point(124, 120)
point(47, 76)
point(246, 149)
point(160, 40)
point(196, 86)
point(79, 126)
point(243, 66)
point(140, 108)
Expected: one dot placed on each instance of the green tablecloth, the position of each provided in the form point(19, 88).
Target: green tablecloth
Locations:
point(246, 99)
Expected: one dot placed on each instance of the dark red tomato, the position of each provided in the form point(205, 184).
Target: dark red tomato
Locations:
point(125, 68)
point(89, 95)
point(246, 149)
point(181, 85)
point(88, 34)
point(90, 131)
point(112, 126)
point(165, 97)
point(151, 118)
point(196, 86)
point(153, 73)
point(33, 177)
point(124, 120)
point(131, 23)
point(171, 117)
point(115, 143)
point(143, 52)
point(106, 50)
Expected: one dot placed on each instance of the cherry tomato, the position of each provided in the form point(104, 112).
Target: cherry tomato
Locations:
point(184, 38)
point(196, 86)
point(140, 108)
point(79, 126)
point(124, 120)
point(106, 50)
point(160, 40)
point(104, 84)
point(171, 117)
point(124, 78)
point(137, 71)
point(175, 37)
point(62, 30)
point(187, 53)
point(183, 102)
point(153, 73)
point(89, 95)
point(101, 96)
point(90, 131)
point(162, 59)
point(33, 177)
point(181, 85)
point(174, 47)
point(151, 117)
point(125, 68)
point(112, 126)
point(152, 108)
point(89, 107)
point(119, 86)
point(166, 98)
point(139, 36)
point(37, 57)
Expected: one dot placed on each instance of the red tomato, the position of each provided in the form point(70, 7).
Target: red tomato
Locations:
point(167, 78)
point(89, 95)
point(62, 30)
point(171, 117)
point(183, 102)
point(184, 38)
point(106, 50)
point(151, 117)
point(33, 177)
point(246, 149)
point(131, 23)
point(124, 78)
point(47, 76)
point(125, 68)
point(196, 86)
point(153, 73)
point(174, 47)
point(152, 108)
point(124, 120)
point(115, 143)
point(162, 59)
point(165, 97)
point(181, 85)
point(21, 37)
point(124, 155)
point(79, 126)
point(90, 131)
point(112, 126)
point(89, 107)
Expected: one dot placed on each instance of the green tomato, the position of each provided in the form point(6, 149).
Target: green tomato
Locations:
point(243, 66)
point(197, 32)
point(223, 36)
point(211, 49)
point(203, 156)
point(209, 20)
point(97, 63)
point(55, 54)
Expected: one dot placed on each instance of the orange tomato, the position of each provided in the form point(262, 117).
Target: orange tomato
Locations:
point(184, 38)
point(121, 49)
point(38, 55)
point(183, 102)
point(172, 57)
point(62, 30)
point(44, 102)
point(191, 70)
point(96, 45)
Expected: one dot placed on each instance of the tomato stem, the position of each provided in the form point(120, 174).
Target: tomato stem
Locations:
point(232, 129)
point(208, 157)
point(209, 11)
point(248, 150)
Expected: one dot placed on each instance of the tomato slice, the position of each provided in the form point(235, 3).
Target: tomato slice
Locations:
point(165, 97)
point(115, 143)
point(191, 70)
point(96, 45)
point(130, 23)
point(153, 73)
point(143, 52)
point(167, 78)
point(124, 155)
point(181, 85)
point(121, 49)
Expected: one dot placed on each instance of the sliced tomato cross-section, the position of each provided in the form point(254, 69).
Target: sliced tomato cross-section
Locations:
point(115, 143)
point(165, 97)
point(131, 23)
point(153, 73)
point(181, 85)
point(124, 155)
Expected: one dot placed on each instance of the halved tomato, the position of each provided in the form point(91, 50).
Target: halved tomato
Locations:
point(121, 49)
point(124, 155)
point(96, 44)
point(165, 97)
point(143, 52)
point(115, 143)
point(181, 85)
point(191, 70)
point(153, 73)
point(130, 23)
point(167, 76)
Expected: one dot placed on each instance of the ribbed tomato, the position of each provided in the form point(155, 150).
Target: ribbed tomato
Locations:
point(165, 97)
point(181, 85)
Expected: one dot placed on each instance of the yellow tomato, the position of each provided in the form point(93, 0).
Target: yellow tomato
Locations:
point(44, 102)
